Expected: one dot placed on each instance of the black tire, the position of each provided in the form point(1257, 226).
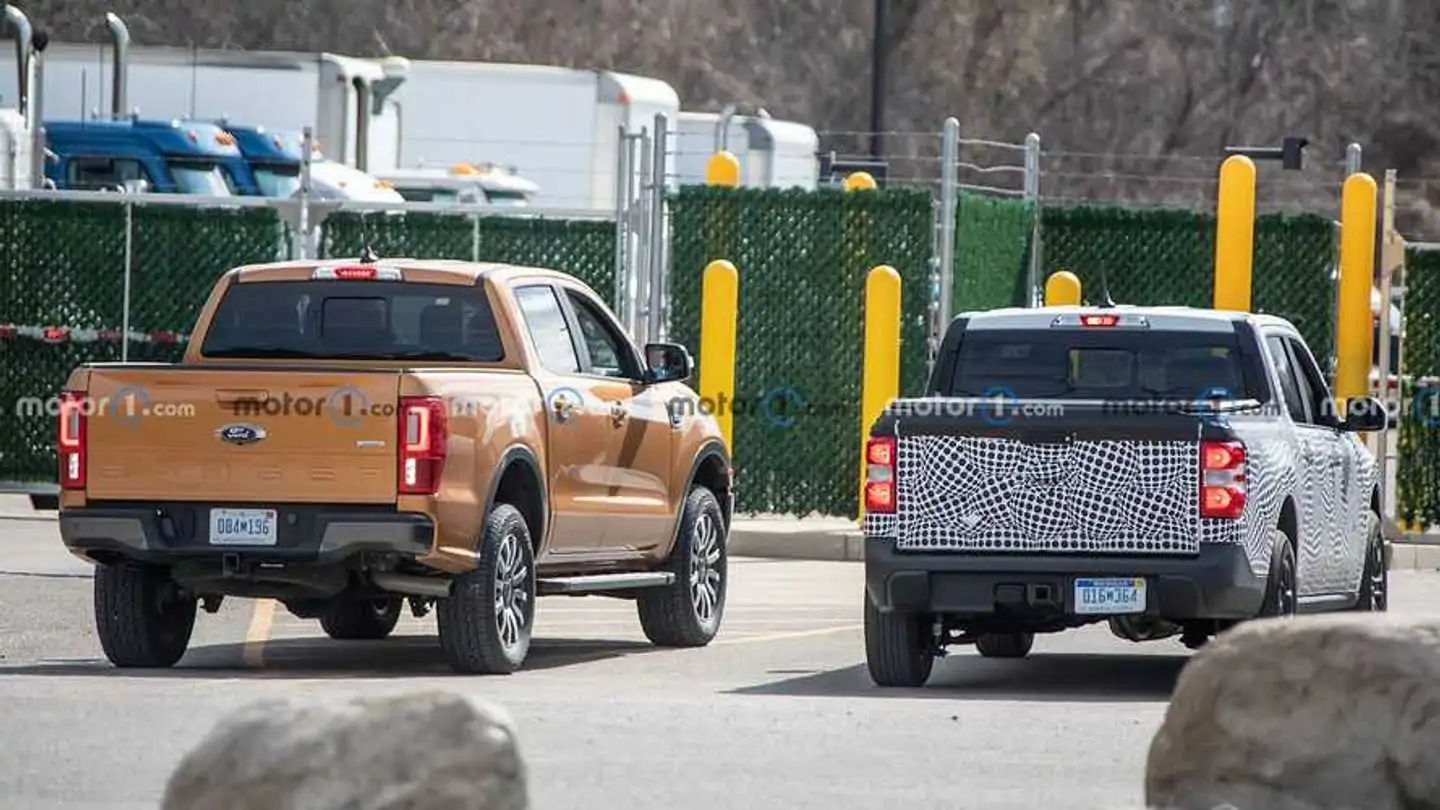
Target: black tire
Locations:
point(1281, 590)
point(361, 619)
point(686, 613)
point(142, 617)
point(1004, 645)
point(1375, 581)
point(478, 637)
point(895, 649)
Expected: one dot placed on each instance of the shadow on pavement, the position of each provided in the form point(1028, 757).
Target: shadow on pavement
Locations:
point(1040, 677)
point(395, 657)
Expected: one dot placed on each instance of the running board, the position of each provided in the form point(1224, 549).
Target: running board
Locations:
point(600, 583)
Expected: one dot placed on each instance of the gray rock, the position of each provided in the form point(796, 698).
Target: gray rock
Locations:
point(1315, 713)
point(416, 751)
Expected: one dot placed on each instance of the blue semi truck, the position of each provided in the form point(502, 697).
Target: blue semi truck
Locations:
point(136, 154)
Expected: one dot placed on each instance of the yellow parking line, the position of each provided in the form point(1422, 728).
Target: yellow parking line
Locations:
point(258, 632)
point(782, 636)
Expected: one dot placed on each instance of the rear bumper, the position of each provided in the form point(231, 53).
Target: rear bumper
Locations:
point(1215, 584)
point(178, 532)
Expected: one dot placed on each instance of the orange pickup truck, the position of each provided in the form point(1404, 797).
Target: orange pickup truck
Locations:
point(343, 437)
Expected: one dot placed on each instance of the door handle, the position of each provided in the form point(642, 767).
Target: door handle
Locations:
point(618, 414)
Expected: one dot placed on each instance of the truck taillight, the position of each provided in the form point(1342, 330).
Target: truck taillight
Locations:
point(880, 475)
point(71, 444)
point(1222, 480)
point(423, 434)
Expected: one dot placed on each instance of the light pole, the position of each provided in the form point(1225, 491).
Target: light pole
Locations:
point(878, 46)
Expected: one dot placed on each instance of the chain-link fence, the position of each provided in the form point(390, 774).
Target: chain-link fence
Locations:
point(1417, 474)
point(1159, 257)
point(803, 258)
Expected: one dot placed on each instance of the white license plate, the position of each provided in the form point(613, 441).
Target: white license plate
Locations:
point(1110, 596)
point(243, 527)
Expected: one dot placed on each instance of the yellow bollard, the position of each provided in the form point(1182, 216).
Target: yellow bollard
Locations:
point(1062, 289)
point(859, 181)
point(1235, 234)
point(880, 379)
point(719, 308)
point(1353, 335)
point(723, 169)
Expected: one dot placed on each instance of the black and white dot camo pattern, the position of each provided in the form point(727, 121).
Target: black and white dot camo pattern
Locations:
point(1003, 495)
point(1269, 477)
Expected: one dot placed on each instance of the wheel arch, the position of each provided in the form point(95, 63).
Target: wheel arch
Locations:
point(518, 482)
point(711, 469)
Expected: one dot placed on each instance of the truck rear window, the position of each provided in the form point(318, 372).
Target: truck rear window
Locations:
point(381, 320)
point(1109, 364)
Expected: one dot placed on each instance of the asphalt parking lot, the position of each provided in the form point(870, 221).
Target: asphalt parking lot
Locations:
point(777, 713)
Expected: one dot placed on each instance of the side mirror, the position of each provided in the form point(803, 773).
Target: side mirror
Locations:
point(1364, 415)
point(667, 362)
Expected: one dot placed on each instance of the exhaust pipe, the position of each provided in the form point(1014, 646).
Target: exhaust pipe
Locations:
point(24, 41)
point(119, 91)
point(37, 108)
point(417, 586)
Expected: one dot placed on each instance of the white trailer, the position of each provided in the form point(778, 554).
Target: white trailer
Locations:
point(772, 153)
point(348, 102)
point(558, 127)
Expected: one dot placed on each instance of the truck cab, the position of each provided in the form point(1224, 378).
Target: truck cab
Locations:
point(463, 184)
point(170, 157)
point(272, 159)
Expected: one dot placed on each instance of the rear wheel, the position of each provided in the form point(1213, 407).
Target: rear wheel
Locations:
point(1375, 581)
point(687, 613)
point(895, 649)
point(1004, 645)
point(142, 617)
point(486, 621)
point(1280, 590)
point(352, 619)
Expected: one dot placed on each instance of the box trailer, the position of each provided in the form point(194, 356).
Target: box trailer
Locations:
point(772, 153)
point(346, 101)
point(558, 127)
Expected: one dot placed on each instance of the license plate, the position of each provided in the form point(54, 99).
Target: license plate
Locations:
point(243, 527)
point(1110, 596)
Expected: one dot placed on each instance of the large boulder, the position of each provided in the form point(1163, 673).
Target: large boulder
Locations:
point(1332, 712)
point(417, 751)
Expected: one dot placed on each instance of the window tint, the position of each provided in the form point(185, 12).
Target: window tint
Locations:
point(1091, 364)
point(609, 352)
point(354, 319)
point(546, 323)
point(1289, 387)
point(101, 174)
point(1316, 391)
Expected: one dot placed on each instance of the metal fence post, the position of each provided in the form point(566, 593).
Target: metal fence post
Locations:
point(640, 290)
point(1032, 194)
point(622, 231)
point(129, 268)
point(1353, 159)
point(657, 326)
point(307, 145)
point(949, 155)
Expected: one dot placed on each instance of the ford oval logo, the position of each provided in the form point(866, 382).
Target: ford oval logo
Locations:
point(241, 434)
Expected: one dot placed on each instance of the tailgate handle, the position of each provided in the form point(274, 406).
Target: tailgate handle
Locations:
point(230, 396)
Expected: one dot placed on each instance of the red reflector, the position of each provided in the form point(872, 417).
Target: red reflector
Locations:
point(1099, 320)
point(354, 272)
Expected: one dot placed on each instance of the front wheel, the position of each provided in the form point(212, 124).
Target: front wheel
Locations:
point(355, 619)
point(486, 621)
point(141, 615)
point(687, 612)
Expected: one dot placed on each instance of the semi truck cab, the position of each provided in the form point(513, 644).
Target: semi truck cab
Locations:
point(171, 157)
point(272, 160)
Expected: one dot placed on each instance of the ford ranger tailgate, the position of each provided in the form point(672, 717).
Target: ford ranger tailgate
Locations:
point(254, 435)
